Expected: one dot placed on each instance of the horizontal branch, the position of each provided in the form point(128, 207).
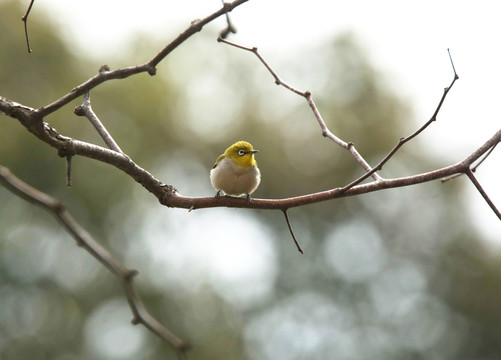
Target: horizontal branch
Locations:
point(280, 204)
point(169, 196)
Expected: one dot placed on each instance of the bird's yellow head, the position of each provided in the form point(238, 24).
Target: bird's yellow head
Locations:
point(241, 153)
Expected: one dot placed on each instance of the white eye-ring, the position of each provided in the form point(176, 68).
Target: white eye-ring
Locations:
point(241, 152)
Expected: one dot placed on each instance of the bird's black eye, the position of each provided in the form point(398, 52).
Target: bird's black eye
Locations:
point(241, 152)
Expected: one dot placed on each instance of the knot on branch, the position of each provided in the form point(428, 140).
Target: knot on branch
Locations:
point(168, 192)
point(104, 68)
point(130, 275)
point(67, 149)
point(79, 110)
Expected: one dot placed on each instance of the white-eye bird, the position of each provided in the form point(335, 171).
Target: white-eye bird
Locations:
point(235, 172)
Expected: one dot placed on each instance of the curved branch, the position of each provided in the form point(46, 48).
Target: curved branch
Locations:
point(169, 196)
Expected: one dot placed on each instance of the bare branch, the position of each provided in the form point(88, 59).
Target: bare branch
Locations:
point(86, 241)
point(348, 145)
point(402, 141)
point(482, 192)
point(168, 195)
point(229, 29)
point(474, 167)
point(25, 21)
point(292, 232)
point(149, 67)
point(68, 170)
point(86, 110)
point(307, 95)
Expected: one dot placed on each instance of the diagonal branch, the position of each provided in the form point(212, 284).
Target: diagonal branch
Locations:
point(348, 145)
point(307, 95)
point(86, 241)
point(299, 248)
point(482, 192)
point(474, 167)
point(149, 67)
point(402, 141)
point(86, 110)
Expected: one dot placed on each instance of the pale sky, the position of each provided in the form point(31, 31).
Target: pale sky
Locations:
point(407, 40)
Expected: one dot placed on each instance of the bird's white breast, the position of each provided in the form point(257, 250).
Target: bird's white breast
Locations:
point(234, 179)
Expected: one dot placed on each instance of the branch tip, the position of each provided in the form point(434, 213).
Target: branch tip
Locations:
point(25, 21)
point(452, 63)
point(292, 232)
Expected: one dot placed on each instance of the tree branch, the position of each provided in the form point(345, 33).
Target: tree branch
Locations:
point(307, 95)
point(482, 192)
point(402, 141)
point(149, 67)
point(229, 29)
point(299, 248)
point(168, 195)
point(86, 241)
point(25, 21)
point(86, 110)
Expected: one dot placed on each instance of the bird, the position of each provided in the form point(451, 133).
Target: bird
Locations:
point(235, 172)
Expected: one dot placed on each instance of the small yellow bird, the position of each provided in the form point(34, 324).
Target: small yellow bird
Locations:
point(235, 172)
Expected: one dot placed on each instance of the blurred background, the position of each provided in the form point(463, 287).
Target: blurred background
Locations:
point(408, 273)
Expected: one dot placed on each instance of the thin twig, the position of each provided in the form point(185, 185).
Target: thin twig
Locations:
point(473, 167)
point(229, 29)
point(68, 170)
point(86, 241)
point(402, 141)
point(307, 95)
point(25, 21)
point(292, 232)
point(86, 110)
point(347, 145)
point(482, 192)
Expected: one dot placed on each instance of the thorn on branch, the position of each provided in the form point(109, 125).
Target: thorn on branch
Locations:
point(25, 20)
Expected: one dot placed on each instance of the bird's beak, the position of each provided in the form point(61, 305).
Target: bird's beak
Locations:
point(252, 151)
